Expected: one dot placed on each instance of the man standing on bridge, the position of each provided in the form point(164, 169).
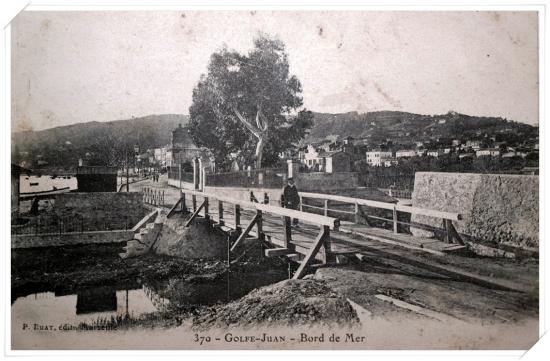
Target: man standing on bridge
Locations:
point(291, 198)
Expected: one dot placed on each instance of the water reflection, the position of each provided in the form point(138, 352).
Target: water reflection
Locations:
point(102, 303)
point(86, 306)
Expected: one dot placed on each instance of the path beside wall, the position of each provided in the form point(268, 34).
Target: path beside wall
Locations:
point(498, 209)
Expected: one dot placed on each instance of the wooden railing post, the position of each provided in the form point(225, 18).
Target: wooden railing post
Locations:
point(282, 201)
point(261, 235)
point(394, 220)
point(357, 216)
point(237, 217)
point(220, 213)
point(206, 215)
point(326, 208)
point(183, 205)
point(301, 204)
point(288, 232)
point(194, 200)
point(179, 174)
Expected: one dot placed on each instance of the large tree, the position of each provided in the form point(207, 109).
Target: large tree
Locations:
point(249, 106)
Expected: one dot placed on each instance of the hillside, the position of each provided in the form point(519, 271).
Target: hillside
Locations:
point(104, 141)
point(392, 124)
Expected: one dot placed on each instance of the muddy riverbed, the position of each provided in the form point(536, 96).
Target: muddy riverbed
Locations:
point(156, 301)
point(91, 285)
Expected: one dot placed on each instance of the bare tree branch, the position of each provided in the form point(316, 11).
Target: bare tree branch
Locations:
point(248, 125)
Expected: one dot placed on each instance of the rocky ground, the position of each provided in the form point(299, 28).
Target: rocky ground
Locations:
point(287, 303)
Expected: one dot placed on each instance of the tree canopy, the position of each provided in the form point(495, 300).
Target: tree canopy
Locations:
point(248, 106)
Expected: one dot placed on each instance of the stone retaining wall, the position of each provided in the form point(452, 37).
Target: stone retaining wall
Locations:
point(496, 208)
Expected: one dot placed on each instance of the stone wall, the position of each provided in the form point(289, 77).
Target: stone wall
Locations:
point(119, 209)
point(69, 239)
point(496, 209)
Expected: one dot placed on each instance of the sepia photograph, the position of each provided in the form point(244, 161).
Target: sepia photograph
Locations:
point(274, 179)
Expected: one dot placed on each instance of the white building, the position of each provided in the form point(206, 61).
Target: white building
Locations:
point(311, 156)
point(492, 152)
point(405, 153)
point(376, 158)
point(160, 155)
point(168, 157)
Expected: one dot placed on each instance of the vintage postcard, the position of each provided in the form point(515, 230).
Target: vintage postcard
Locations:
point(274, 179)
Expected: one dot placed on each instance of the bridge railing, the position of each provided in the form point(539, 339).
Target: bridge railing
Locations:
point(189, 201)
point(379, 214)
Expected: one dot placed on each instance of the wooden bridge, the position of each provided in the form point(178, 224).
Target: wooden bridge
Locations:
point(331, 227)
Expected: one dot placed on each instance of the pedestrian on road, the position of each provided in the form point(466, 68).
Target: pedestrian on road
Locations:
point(291, 198)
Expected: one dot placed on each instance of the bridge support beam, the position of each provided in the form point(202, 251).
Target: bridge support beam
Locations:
point(322, 238)
point(257, 218)
point(196, 213)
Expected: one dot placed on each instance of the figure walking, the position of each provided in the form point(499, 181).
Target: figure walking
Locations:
point(291, 198)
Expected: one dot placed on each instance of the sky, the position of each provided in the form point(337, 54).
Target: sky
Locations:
point(73, 67)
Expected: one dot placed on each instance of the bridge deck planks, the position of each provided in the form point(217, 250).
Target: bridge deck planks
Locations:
point(303, 236)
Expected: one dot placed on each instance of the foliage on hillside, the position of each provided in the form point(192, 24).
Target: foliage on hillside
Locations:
point(105, 143)
point(392, 124)
point(62, 146)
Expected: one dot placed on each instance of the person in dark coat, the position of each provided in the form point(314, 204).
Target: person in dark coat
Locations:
point(291, 198)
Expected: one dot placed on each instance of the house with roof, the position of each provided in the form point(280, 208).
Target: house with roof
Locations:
point(183, 150)
point(331, 161)
point(404, 153)
point(376, 158)
point(335, 161)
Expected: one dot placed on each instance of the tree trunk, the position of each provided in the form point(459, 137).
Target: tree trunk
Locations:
point(259, 152)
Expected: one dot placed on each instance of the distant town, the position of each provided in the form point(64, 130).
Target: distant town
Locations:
point(380, 155)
